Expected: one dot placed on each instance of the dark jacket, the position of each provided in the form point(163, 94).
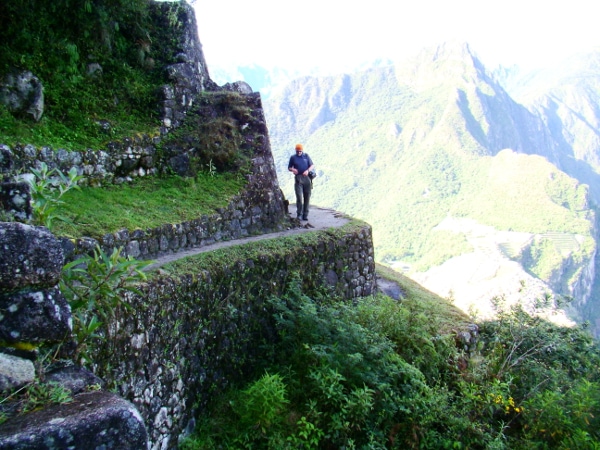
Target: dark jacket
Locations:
point(300, 163)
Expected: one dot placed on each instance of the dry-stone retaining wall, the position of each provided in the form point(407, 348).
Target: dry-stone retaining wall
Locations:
point(188, 338)
point(184, 339)
point(258, 209)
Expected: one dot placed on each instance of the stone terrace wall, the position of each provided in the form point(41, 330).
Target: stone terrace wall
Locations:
point(258, 209)
point(188, 338)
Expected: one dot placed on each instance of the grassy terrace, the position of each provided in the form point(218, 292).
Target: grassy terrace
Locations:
point(146, 203)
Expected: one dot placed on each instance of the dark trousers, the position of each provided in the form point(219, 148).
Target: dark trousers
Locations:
point(302, 187)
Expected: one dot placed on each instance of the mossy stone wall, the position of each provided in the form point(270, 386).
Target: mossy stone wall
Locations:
point(189, 337)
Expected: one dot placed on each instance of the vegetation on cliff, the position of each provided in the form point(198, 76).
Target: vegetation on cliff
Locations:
point(389, 374)
point(96, 61)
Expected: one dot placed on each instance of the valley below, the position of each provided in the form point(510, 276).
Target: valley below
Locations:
point(472, 280)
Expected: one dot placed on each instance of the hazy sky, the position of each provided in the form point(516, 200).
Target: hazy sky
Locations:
point(332, 33)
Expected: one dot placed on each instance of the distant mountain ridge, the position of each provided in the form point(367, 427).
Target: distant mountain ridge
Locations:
point(408, 146)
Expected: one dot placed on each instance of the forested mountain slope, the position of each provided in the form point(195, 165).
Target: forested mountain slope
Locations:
point(465, 187)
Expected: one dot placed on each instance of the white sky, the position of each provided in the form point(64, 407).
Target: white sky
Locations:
point(336, 33)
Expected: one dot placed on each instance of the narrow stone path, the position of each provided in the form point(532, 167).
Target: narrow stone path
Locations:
point(319, 219)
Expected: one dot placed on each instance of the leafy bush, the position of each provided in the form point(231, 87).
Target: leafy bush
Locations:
point(359, 377)
point(552, 373)
point(47, 187)
point(95, 287)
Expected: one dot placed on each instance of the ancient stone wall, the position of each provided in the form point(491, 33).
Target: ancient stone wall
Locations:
point(258, 209)
point(183, 339)
point(34, 312)
point(186, 339)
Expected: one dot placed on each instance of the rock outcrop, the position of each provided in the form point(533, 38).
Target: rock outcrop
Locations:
point(91, 420)
point(23, 94)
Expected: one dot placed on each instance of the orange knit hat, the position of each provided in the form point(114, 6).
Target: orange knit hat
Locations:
point(299, 147)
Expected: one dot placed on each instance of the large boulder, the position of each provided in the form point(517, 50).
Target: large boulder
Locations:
point(31, 257)
point(93, 420)
point(23, 94)
point(74, 378)
point(241, 87)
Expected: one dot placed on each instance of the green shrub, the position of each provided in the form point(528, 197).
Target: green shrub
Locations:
point(261, 408)
point(357, 376)
point(95, 287)
point(47, 188)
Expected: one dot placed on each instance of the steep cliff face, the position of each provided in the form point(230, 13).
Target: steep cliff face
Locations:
point(566, 98)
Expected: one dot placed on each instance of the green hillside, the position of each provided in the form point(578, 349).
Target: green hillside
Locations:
point(405, 147)
point(401, 151)
point(567, 97)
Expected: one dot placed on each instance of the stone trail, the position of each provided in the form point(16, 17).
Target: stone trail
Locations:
point(319, 219)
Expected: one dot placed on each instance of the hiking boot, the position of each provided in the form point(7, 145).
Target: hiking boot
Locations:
point(304, 217)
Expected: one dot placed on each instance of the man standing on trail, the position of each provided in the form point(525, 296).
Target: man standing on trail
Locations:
point(300, 164)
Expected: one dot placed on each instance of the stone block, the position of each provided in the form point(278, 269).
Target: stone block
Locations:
point(31, 257)
point(16, 199)
point(23, 94)
point(15, 371)
point(92, 420)
point(34, 317)
point(74, 378)
point(6, 158)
